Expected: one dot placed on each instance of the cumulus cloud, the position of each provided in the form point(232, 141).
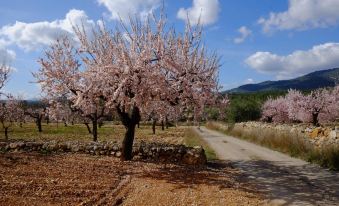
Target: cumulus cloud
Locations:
point(30, 36)
point(244, 33)
point(205, 10)
point(124, 9)
point(7, 56)
point(323, 56)
point(302, 15)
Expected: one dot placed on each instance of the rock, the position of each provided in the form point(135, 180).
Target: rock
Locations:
point(118, 154)
point(314, 133)
point(333, 134)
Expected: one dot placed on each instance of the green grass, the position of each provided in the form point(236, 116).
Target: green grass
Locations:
point(108, 132)
point(292, 144)
point(193, 139)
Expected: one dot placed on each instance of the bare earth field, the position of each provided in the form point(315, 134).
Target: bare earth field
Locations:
point(73, 179)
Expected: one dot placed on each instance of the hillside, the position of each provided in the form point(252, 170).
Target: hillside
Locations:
point(314, 80)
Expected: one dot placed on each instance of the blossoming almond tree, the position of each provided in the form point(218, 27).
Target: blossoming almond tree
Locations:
point(130, 67)
point(61, 76)
point(10, 112)
point(275, 110)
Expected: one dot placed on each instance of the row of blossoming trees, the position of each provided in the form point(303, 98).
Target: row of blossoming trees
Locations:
point(139, 69)
point(319, 106)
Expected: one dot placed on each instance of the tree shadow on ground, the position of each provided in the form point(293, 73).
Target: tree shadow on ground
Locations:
point(216, 173)
point(295, 185)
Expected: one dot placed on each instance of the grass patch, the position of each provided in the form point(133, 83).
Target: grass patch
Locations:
point(78, 132)
point(193, 139)
point(291, 143)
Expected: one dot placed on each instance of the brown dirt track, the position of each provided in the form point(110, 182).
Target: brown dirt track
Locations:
point(73, 179)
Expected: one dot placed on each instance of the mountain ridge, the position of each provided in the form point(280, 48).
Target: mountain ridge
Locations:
point(311, 81)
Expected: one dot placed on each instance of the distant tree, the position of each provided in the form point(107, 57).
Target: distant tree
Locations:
point(275, 110)
point(10, 112)
point(243, 109)
point(37, 112)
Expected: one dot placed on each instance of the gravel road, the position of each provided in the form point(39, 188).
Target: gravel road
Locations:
point(285, 180)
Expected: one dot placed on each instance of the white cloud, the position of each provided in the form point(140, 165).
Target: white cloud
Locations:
point(124, 9)
point(302, 15)
point(249, 81)
point(205, 10)
point(30, 36)
point(244, 33)
point(7, 56)
point(323, 56)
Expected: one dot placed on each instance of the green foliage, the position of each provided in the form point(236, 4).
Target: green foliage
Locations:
point(246, 107)
point(212, 113)
point(243, 109)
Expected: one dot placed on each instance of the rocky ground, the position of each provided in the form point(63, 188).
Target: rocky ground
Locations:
point(80, 179)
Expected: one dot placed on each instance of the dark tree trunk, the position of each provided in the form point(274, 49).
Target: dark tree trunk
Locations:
point(129, 121)
point(153, 125)
point(95, 129)
point(6, 134)
point(162, 125)
point(100, 123)
point(88, 128)
point(315, 119)
point(38, 123)
point(127, 143)
point(65, 122)
point(166, 122)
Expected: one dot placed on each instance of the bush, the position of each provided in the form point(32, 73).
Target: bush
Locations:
point(243, 109)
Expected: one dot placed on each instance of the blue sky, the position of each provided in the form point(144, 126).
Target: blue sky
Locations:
point(258, 40)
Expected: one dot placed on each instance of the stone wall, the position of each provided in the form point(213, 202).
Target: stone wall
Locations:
point(318, 136)
point(167, 153)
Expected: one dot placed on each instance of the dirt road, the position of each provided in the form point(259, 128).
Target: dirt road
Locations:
point(285, 180)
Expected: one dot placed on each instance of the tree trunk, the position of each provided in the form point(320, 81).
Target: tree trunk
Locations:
point(153, 125)
point(166, 122)
point(127, 144)
point(100, 123)
point(88, 128)
point(38, 123)
point(95, 129)
point(315, 119)
point(162, 125)
point(6, 134)
point(129, 121)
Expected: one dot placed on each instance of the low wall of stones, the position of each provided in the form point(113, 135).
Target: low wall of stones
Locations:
point(318, 136)
point(166, 153)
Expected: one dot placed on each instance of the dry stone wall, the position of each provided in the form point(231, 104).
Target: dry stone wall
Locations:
point(318, 136)
point(167, 153)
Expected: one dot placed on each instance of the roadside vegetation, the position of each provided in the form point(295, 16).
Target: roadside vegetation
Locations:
point(193, 139)
point(292, 144)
